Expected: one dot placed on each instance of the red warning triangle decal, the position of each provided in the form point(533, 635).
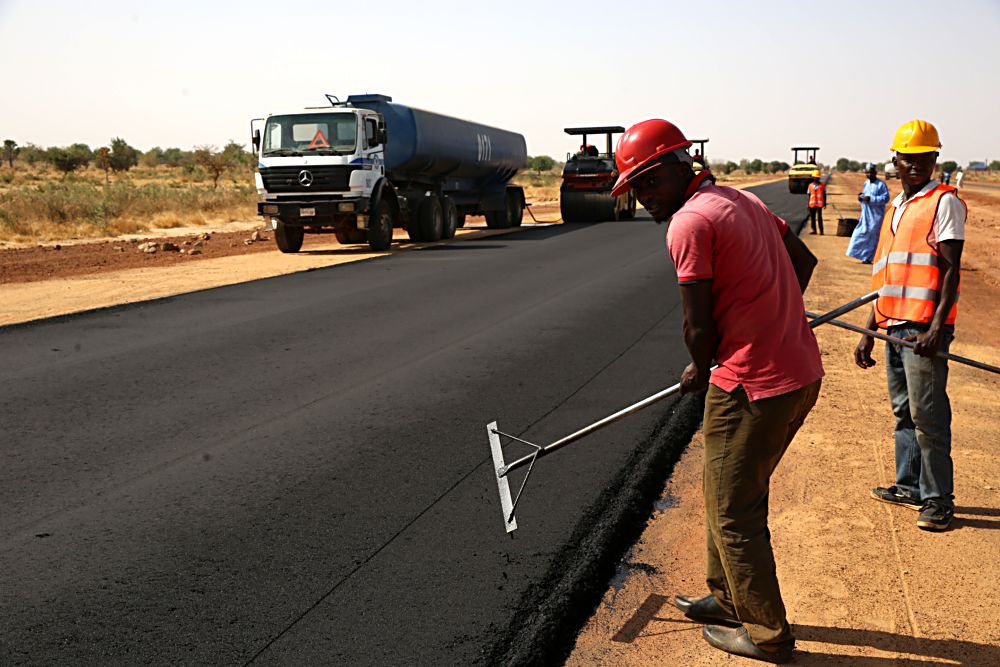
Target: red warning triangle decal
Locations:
point(319, 141)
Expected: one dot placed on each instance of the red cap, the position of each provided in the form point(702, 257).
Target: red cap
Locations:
point(640, 146)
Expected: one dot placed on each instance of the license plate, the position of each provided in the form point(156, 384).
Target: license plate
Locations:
point(307, 212)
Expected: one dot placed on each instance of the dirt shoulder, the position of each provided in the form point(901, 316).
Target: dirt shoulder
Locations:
point(863, 585)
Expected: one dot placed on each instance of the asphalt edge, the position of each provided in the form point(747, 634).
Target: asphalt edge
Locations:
point(545, 624)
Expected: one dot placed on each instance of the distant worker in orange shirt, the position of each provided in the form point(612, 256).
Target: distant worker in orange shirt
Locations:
point(817, 202)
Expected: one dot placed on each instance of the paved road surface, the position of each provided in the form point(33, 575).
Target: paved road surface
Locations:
point(295, 471)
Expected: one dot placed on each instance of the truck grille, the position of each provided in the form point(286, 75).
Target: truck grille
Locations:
point(324, 178)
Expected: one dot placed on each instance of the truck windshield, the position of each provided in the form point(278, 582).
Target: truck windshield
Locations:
point(311, 134)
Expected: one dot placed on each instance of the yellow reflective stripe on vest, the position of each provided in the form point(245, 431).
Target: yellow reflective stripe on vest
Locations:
point(914, 258)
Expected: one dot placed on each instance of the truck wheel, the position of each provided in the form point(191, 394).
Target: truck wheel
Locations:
point(430, 220)
point(503, 218)
point(379, 232)
point(515, 208)
point(288, 239)
point(450, 217)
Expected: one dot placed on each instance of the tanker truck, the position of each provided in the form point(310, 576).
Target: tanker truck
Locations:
point(361, 168)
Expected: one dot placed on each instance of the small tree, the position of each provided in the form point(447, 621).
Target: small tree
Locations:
point(729, 167)
point(175, 157)
point(32, 154)
point(10, 151)
point(152, 157)
point(68, 160)
point(994, 165)
point(843, 164)
point(102, 160)
point(237, 155)
point(122, 156)
point(541, 163)
point(950, 166)
point(756, 166)
point(215, 163)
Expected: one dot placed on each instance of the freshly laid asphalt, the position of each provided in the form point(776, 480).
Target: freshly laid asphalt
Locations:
point(296, 470)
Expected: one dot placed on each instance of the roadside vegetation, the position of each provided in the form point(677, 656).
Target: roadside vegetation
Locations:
point(66, 192)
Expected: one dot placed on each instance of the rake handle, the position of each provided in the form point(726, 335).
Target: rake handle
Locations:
point(659, 396)
point(906, 343)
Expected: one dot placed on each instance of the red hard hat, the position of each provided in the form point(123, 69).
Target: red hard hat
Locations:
point(641, 145)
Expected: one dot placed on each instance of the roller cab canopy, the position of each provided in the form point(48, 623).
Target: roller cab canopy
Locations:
point(606, 130)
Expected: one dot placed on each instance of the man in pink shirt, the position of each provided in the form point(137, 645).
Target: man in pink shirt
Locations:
point(741, 274)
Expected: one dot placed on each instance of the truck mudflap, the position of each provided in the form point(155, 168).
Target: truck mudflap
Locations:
point(302, 213)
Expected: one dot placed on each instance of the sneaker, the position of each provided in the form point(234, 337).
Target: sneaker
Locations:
point(935, 516)
point(895, 496)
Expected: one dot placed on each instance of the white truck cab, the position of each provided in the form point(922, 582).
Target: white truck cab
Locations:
point(316, 169)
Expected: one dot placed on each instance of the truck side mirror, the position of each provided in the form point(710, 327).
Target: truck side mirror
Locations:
point(382, 135)
point(256, 141)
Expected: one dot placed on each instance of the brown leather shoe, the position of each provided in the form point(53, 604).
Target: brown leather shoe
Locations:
point(705, 610)
point(738, 642)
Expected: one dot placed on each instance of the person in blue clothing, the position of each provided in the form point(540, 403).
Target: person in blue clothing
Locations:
point(873, 199)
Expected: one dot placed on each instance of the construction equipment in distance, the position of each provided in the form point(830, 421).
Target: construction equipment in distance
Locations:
point(800, 175)
point(585, 193)
point(698, 159)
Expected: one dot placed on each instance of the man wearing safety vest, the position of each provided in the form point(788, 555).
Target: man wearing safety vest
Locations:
point(917, 273)
point(741, 273)
point(817, 202)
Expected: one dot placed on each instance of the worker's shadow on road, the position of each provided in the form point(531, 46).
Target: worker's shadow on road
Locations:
point(914, 650)
point(964, 519)
point(652, 620)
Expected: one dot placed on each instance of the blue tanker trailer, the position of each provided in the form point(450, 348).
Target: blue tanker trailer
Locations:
point(363, 167)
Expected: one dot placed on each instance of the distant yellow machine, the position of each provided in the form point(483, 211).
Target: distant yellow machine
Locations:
point(800, 174)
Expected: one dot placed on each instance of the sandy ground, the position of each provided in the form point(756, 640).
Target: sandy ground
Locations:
point(863, 585)
point(54, 279)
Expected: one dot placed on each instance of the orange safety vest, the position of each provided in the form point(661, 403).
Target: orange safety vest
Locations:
point(817, 195)
point(905, 271)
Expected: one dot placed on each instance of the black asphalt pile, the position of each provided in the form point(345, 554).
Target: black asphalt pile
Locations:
point(549, 616)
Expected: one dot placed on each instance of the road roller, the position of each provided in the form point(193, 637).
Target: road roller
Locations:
point(800, 175)
point(589, 174)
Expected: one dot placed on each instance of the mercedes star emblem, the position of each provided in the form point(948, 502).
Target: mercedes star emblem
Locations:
point(305, 178)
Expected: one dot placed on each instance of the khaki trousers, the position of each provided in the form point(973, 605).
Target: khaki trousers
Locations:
point(744, 441)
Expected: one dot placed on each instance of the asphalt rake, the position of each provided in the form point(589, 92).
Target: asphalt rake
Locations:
point(501, 470)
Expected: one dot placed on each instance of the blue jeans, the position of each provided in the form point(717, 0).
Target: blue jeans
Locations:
point(919, 398)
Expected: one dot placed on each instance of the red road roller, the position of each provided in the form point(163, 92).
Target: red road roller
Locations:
point(589, 174)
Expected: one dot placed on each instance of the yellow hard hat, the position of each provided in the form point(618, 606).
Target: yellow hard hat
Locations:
point(916, 136)
point(815, 173)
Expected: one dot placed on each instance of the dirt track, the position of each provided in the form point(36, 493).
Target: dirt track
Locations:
point(863, 585)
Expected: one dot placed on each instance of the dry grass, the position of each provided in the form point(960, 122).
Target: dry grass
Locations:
point(540, 186)
point(38, 204)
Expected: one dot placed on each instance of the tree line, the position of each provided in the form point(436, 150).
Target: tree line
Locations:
point(845, 164)
point(119, 157)
point(542, 163)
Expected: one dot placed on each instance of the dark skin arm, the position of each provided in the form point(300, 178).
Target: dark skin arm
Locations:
point(700, 335)
point(929, 342)
point(863, 350)
point(803, 261)
point(949, 265)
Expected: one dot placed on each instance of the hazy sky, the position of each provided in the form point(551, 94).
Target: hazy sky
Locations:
point(755, 77)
